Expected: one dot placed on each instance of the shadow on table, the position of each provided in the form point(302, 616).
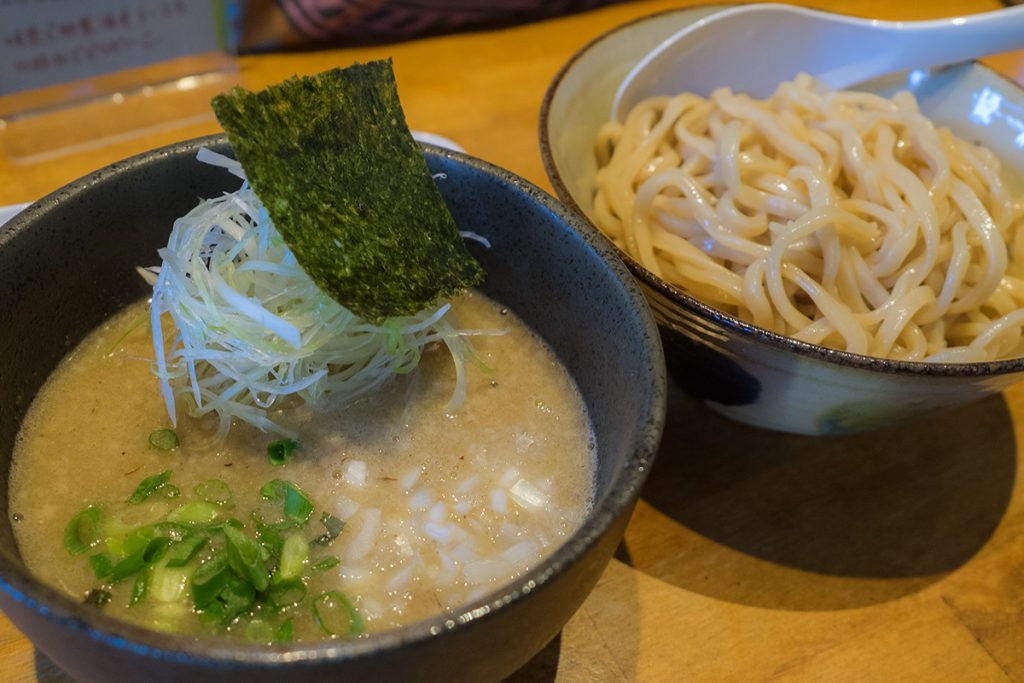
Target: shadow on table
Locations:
point(543, 668)
point(805, 523)
point(47, 671)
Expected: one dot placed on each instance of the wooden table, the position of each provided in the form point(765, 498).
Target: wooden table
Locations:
point(751, 556)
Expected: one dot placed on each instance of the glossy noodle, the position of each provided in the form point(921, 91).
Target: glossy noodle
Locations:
point(837, 218)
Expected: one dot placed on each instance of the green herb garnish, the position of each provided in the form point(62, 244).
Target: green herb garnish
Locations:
point(333, 161)
point(101, 565)
point(215, 491)
point(83, 531)
point(287, 593)
point(280, 451)
point(139, 588)
point(294, 552)
point(209, 580)
point(148, 486)
point(194, 513)
point(336, 614)
point(164, 439)
point(285, 632)
point(151, 553)
point(182, 552)
point(245, 558)
point(333, 526)
point(249, 579)
point(326, 563)
point(297, 507)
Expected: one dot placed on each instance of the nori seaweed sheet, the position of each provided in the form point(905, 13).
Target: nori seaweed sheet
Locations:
point(333, 161)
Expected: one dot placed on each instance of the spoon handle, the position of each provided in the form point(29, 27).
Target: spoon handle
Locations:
point(895, 45)
point(752, 48)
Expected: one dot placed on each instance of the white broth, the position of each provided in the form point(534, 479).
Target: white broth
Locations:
point(438, 509)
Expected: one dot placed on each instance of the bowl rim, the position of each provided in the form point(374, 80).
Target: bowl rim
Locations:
point(733, 325)
point(53, 605)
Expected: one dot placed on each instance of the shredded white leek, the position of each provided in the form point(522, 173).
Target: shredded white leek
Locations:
point(251, 327)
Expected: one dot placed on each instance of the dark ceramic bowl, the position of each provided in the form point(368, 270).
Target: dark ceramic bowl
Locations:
point(740, 370)
point(68, 262)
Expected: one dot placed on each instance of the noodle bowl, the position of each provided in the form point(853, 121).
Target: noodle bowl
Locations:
point(837, 218)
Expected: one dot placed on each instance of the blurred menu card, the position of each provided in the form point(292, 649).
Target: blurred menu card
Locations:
point(74, 73)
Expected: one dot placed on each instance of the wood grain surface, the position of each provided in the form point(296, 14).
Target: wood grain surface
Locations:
point(752, 556)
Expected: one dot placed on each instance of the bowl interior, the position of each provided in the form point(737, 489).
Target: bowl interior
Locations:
point(973, 101)
point(68, 263)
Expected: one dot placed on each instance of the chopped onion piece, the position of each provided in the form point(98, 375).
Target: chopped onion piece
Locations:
point(355, 473)
point(485, 571)
point(442, 533)
point(528, 495)
point(410, 478)
point(365, 537)
point(510, 477)
point(345, 507)
point(499, 501)
point(468, 485)
point(520, 555)
point(438, 513)
point(400, 579)
point(420, 500)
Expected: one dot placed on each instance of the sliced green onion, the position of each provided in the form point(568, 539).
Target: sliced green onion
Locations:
point(128, 566)
point(259, 631)
point(156, 549)
point(280, 451)
point(97, 597)
point(140, 559)
point(238, 596)
point(182, 552)
point(136, 539)
point(164, 439)
point(83, 531)
point(167, 584)
point(209, 580)
point(170, 491)
point(173, 530)
point(215, 491)
point(148, 486)
point(268, 535)
point(287, 593)
point(212, 613)
point(101, 565)
point(293, 555)
point(196, 513)
point(139, 588)
point(336, 614)
point(333, 526)
point(297, 507)
point(244, 557)
point(326, 563)
point(285, 632)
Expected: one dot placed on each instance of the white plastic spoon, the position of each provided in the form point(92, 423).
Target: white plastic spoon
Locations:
point(753, 48)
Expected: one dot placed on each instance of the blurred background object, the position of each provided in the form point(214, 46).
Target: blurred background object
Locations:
point(74, 74)
point(275, 24)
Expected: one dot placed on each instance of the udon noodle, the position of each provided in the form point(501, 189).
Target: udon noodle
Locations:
point(838, 218)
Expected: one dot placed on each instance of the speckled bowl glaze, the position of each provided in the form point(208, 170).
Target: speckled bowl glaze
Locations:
point(738, 369)
point(68, 262)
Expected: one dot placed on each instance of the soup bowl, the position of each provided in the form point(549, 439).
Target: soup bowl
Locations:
point(739, 369)
point(68, 262)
